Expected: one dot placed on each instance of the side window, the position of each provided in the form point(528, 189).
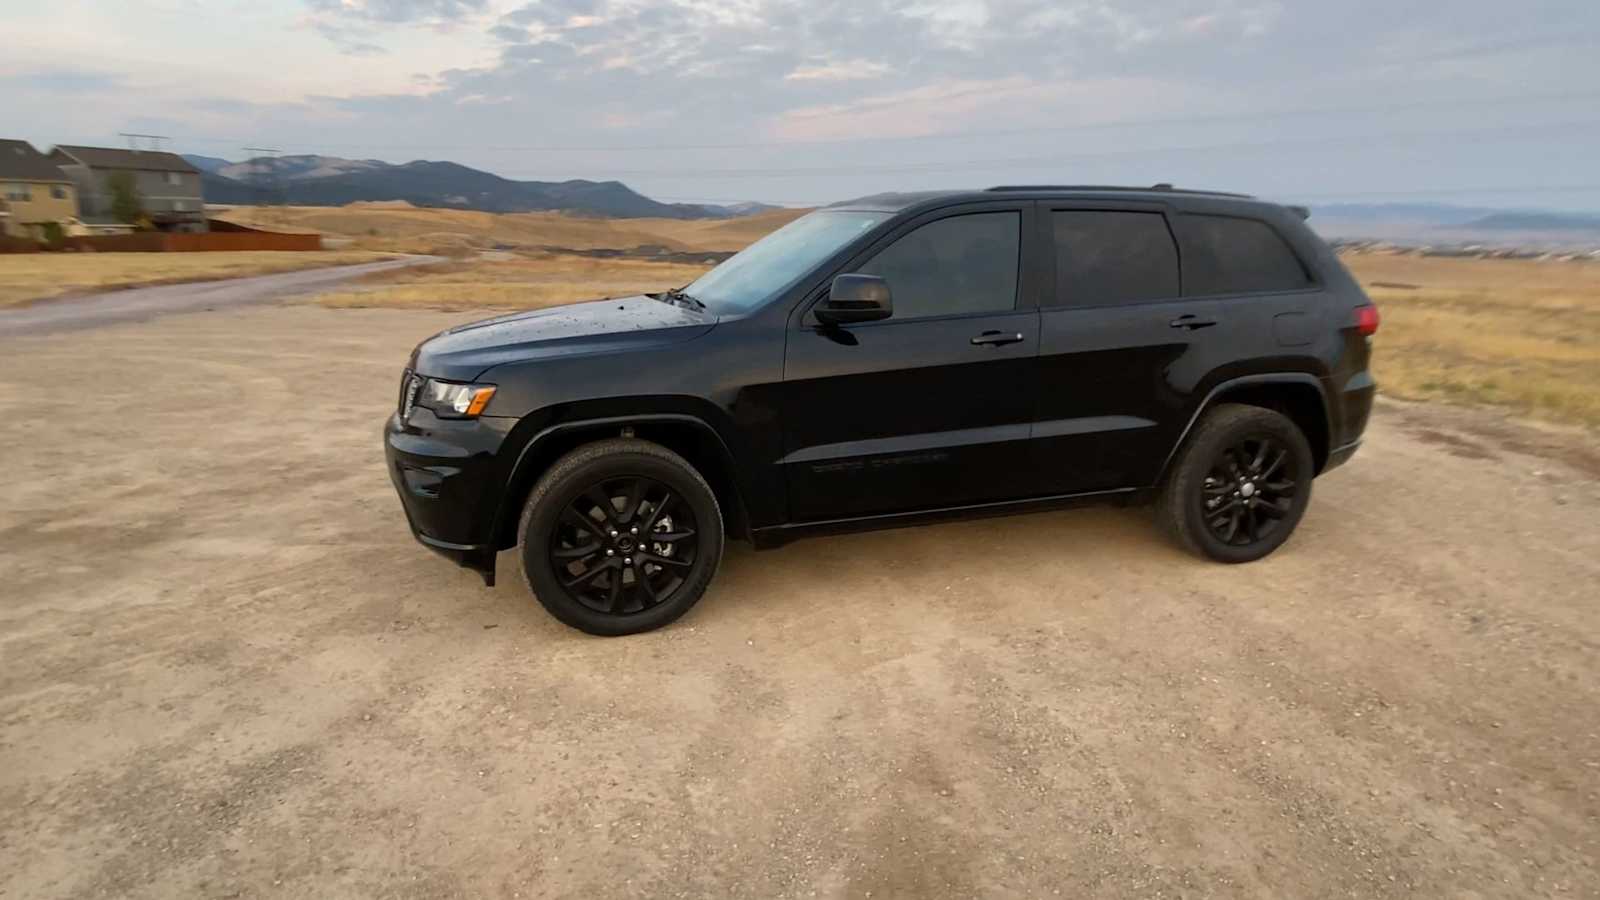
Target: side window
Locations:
point(1105, 257)
point(957, 265)
point(1230, 255)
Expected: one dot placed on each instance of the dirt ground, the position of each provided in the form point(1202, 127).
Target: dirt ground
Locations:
point(228, 671)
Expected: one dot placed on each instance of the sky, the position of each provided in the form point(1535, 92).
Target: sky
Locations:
point(808, 101)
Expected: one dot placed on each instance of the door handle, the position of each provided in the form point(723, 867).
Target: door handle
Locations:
point(996, 338)
point(1191, 322)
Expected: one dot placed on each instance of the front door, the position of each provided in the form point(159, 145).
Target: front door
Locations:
point(930, 407)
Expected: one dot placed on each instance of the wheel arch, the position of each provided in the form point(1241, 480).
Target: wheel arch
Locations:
point(685, 434)
point(1299, 396)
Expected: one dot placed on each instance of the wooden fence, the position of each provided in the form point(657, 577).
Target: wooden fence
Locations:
point(175, 242)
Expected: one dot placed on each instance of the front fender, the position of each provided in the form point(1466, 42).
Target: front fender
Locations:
point(549, 436)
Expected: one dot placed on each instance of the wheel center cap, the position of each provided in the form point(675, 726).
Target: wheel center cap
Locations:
point(1249, 489)
point(625, 543)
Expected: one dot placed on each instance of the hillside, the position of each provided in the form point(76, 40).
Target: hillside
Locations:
point(336, 181)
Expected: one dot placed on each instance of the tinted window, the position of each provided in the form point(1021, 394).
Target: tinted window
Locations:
point(1107, 257)
point(956, 265)
point(1227, 255)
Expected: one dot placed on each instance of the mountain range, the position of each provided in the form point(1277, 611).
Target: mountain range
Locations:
point(334, 181)
point(1446, 223)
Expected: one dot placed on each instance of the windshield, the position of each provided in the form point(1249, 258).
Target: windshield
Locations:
point(771, 265)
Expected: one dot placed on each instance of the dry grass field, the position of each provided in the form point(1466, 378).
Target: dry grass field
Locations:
point(509, 281)
point(1520, 334)
point(26, 277)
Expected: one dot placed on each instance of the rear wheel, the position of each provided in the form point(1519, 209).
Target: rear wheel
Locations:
point(619, 537)
point(1240, 485)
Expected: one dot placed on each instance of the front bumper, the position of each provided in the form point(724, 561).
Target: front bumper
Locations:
point(447, 476)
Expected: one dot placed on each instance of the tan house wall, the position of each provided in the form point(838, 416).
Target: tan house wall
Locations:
point(40, 206)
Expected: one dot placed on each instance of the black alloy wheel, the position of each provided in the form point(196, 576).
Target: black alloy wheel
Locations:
point(624, 545)
point(1249, 490)
point(620, 536)
point(1240, 483)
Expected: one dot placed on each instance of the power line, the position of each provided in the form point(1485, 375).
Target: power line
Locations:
point(1054, 159)
point(1464, 102)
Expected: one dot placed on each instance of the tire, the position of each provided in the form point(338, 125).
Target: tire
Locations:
point(1213, 483)
point(654, 587)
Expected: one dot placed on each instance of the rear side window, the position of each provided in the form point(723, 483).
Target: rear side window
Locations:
point(1104, 258)
point(1229, 255)
point(962, 264)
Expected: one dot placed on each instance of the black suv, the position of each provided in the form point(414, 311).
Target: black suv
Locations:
point(892, 360)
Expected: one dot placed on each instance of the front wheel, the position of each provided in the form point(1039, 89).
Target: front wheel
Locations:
point(620, 536)
point(1240, 484)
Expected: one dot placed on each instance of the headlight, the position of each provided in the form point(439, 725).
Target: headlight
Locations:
point(449, 400)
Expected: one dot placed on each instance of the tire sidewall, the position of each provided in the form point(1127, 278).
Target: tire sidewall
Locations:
point(1197, 463)
point(544, 510)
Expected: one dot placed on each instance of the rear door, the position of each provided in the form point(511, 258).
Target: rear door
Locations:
point(932, 406)
point(1121, 350)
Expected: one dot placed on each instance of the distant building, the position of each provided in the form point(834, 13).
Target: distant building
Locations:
point(169, 188)
point(33, 192)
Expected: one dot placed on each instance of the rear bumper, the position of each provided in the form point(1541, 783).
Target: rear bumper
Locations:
point(1338, 456)
point(445, 478)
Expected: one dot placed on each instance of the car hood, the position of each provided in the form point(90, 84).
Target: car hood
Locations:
point(464, 352)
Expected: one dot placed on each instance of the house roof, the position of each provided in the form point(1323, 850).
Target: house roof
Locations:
point(113, 158)
point(20, 162)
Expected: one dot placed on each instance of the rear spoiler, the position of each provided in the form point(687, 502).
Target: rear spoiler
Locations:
point(1304, 212)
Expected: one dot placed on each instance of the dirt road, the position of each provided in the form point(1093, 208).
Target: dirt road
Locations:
point(228, 671)
point(138, 304)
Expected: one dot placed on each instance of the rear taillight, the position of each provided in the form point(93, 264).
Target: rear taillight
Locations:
point(1367, 320)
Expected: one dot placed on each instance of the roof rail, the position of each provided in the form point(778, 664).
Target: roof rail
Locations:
point(1163, 187)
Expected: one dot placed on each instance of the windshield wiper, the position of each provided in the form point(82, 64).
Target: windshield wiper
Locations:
point(680, 296)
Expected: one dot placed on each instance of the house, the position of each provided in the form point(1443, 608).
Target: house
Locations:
point(168, 187)
point(34, 193)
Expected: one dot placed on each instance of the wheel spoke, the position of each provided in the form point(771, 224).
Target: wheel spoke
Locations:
point(570, 553)
point(1278, 487)
point(641, 579)
point(1261, 457)
point(630, 508)
point(662, 560)
point(577, 519)
point(655, 511)
point(1233, 527)
point(667, 537)
point(600, 498)
point(1277, 463)
point(1273, 510)
point(1232, 504)
point(1250, 525)
point(589, 575)
point(614, 592)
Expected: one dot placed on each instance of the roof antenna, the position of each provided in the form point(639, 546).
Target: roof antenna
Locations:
point(1162, 186)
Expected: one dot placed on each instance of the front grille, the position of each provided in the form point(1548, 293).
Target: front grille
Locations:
point(410, 386)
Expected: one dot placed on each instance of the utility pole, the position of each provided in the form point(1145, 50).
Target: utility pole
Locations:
point(133, 138)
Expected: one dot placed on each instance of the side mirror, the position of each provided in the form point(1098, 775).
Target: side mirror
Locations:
point(855, 298)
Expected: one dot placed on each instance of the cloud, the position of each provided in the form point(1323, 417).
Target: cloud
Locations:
point(66, 80)
point(398, 12)
point(958, 80)
point(838, 71)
